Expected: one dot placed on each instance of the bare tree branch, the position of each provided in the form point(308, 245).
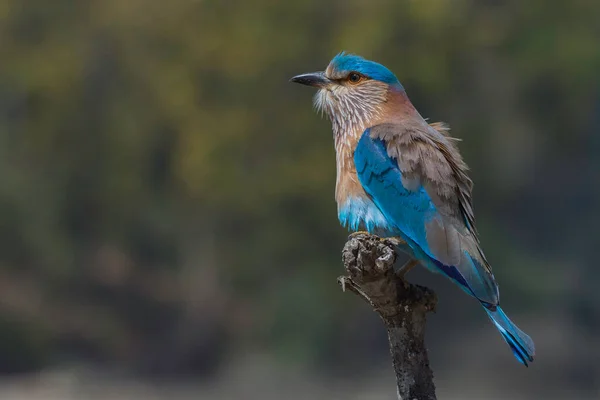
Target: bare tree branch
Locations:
point(369, 261)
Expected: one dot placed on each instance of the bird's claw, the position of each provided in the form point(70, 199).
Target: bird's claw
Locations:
point(358, 233)
point(395, 240)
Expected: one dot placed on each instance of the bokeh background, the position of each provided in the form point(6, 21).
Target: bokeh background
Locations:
point(167, 223)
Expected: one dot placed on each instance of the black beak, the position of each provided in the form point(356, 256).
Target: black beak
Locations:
point(315, 79)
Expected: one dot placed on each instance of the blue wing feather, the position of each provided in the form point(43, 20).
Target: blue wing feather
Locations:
point(382, 180)
point(410, 211)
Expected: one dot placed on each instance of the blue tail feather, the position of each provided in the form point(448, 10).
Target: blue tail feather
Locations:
point(521, 345)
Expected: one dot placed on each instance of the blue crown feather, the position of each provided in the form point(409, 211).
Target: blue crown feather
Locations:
point(345, 62)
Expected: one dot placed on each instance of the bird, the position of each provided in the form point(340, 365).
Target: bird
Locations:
point(399, 176)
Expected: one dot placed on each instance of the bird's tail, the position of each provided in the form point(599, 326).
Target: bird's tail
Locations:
point(521, 345)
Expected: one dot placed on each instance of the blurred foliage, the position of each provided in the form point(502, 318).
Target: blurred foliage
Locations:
point(166, 195)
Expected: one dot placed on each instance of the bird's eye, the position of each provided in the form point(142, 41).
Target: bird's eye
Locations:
point(354, 77)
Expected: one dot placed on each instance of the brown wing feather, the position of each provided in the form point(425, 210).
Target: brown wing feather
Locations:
point(464, 184)
point(444, 177)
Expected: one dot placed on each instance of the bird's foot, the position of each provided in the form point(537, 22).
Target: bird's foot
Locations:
point(395, 240)
point(410, 264)
point(358, 233)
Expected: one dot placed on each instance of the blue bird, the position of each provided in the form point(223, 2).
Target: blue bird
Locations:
point(399, 176)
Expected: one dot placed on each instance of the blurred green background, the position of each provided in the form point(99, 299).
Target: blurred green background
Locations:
point(166, 196)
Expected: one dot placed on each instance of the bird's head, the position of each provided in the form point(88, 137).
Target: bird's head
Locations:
point(352, 90)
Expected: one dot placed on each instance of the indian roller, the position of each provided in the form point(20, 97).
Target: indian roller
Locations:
point(400, 177)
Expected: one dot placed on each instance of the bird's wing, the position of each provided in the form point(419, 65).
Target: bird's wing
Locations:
point(416, 177)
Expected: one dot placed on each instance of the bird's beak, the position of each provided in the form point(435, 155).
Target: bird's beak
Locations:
point(315, 79)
